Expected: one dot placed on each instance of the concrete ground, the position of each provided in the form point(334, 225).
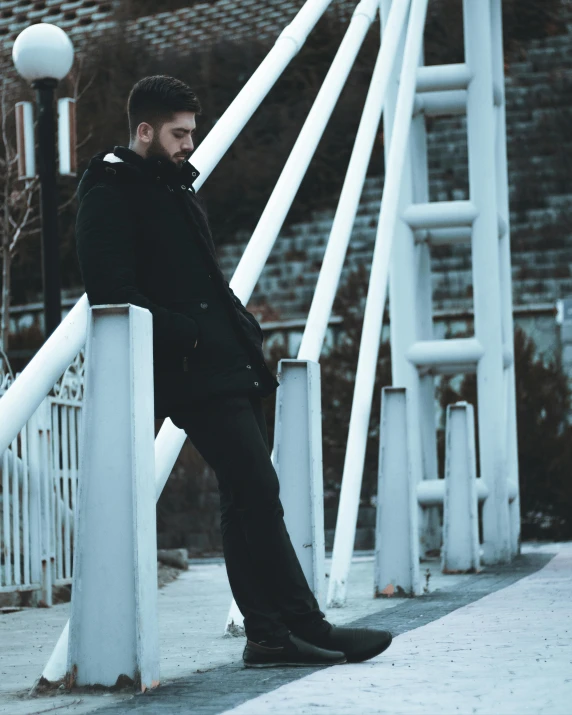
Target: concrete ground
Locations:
point(499, 641)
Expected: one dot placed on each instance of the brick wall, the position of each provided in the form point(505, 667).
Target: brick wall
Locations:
point(539, 112)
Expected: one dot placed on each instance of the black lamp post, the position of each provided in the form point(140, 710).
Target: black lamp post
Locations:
point(48, 202)
point(43, 55)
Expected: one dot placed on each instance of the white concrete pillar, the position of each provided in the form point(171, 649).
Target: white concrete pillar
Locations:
point(297, 458)
point(113, 626)
point(41, 502)
point(298, 462)
point(402, 285)
point(506, 274)
point(397, 526)
point(430, 526)
point(486, 279)
point(460, 510)
point(410, 303)
point(48, 511)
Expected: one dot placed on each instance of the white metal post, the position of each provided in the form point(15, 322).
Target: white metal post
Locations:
point(26, 506)
point(397, 529)
point(113, 626)
point(298, 458)
point(35, 500)
point(506, 274)
point(461, 517)
point(410, 300)
point(486, 278)
point(430, 531)
point(44, 427)
point(373, 317)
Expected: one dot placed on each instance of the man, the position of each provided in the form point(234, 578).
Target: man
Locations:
point(143, 238)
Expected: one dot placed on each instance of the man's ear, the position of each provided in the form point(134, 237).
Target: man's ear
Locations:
point(145, 133)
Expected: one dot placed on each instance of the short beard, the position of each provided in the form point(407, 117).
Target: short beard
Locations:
point(156, 150)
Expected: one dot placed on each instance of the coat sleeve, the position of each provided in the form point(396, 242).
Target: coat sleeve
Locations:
point(105, 243)
point(244, 311)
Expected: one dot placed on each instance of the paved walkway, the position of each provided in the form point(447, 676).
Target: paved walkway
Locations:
point(500, 642)
point(508, 653)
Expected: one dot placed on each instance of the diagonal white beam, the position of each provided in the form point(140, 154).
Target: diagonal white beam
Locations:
point(334, 256)
point(229, 126)
point(373, 317)
point(264, 237)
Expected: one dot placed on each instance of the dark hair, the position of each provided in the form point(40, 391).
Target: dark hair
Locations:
point(156, 99)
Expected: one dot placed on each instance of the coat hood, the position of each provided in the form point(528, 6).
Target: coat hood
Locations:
point(125, 166)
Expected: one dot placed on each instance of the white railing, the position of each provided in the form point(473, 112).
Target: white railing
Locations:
point(38, 478)
point(19, 499)
point(66, 417)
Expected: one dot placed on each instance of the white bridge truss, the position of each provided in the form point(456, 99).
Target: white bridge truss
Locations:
point(403, 91)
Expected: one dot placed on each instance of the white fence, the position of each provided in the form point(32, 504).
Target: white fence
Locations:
point(38, 486)
point(38, 482)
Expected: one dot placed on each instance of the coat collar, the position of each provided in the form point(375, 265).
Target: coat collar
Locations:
point(156, 167)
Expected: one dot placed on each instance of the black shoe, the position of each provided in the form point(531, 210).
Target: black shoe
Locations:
point(357, 643)
point(290, 651)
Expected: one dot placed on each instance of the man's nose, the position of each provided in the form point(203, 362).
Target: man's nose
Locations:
point(188, 146)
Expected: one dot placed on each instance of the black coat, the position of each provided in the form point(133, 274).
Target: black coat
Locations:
point(143, 238)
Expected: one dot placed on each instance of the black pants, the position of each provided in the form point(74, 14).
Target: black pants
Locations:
point(265, 576)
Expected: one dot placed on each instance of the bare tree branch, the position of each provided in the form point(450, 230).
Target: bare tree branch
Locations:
point(7, 146)
point(77, 94)
point(87, 86)
point(33, 231)
point(25, 219)
point(84, 141)
point(65, 204)
point(61, 208)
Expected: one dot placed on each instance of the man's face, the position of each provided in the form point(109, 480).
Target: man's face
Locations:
point(174, 141)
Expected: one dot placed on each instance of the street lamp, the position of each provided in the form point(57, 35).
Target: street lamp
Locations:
point(43, 55)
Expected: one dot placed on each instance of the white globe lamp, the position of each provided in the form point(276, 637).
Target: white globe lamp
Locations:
point(43, 51)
